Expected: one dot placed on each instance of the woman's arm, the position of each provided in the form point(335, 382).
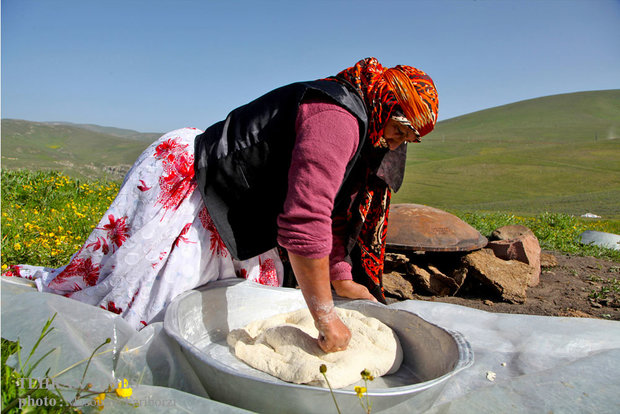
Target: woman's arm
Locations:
point(327, 138)
point(313, 278)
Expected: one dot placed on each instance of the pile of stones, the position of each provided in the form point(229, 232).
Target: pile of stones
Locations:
point(503, 269)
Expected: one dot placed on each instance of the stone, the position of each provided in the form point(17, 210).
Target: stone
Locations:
point(396, 258)
point(395, 284)
point(513, 231)
point(507, 278)
point(524, 248)
point(574, 313)
point(446, 280)
point(548, 260)
point(395, 261)
point(432, 280)
point(459, 275)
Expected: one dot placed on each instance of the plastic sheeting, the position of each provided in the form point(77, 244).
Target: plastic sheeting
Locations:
point(541, 364)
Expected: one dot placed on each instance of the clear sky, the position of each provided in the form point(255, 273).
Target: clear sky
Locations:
point(155, 65)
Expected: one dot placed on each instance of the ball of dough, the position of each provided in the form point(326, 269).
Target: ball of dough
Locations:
point(285, 346)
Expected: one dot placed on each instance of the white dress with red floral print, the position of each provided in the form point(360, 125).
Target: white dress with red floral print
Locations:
point(155, 241)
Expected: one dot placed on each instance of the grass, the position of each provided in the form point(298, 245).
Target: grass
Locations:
point(83, 153)
point(608, 290)
point(11, 388)
point(555, 231)
point(23, 392)
point(540, 163)
point(558, 153)
point(46, 216)
point(573, 179)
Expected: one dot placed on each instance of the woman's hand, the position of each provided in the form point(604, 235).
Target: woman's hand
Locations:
point(313, 278)
point(352, 290)
point(333, 334)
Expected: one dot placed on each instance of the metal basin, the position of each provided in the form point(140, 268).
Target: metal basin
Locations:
point(416, 227)
point(200, 321)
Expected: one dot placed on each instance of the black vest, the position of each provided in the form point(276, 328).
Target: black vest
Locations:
point(242, 163)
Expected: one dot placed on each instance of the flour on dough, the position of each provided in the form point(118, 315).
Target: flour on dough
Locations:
point(285, 346)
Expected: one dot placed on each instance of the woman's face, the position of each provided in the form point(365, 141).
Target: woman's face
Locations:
point(396, 133)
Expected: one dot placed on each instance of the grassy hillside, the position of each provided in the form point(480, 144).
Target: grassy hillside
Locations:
point(47, 216)
point(559, 153)
point(147, 137)
point(75, 150)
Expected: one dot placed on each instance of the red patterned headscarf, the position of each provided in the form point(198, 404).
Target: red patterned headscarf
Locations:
point(383, 89)
point(413, 92)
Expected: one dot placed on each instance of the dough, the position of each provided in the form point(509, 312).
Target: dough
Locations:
point(285, 346)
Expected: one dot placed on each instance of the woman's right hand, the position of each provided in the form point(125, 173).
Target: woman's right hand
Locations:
point(313, 278)
point(333, 334)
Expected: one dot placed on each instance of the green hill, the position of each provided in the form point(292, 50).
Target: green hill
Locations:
point(83, 151)
point(147, 137)
point(558, 153)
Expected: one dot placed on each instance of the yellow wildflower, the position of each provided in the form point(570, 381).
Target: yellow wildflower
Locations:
point(360, 391)
point(99, 401)
point(123, 390)
point(366, 375)
point(17, 246)
point(4, 267)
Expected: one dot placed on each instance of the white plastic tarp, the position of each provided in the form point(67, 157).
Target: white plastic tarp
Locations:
point(541, 364)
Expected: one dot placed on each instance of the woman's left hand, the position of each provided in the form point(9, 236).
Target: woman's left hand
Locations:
point(352, 290)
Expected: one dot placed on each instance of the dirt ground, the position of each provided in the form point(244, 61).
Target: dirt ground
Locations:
point(578, 286)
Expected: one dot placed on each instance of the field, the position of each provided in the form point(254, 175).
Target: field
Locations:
point(557, 154)
point(78, 151)
point(46, 216)
point(541, 163)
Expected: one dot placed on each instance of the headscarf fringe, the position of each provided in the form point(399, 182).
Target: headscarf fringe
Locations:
point(409, 100)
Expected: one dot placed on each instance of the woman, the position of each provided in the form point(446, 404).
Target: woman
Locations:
point(308, 167)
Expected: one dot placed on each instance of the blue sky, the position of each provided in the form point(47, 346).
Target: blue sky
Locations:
point(154, 65)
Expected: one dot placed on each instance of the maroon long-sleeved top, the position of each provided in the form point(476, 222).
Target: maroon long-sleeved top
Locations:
point(327, 137)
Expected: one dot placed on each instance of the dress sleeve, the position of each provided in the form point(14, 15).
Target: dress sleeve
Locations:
point(327, 138)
